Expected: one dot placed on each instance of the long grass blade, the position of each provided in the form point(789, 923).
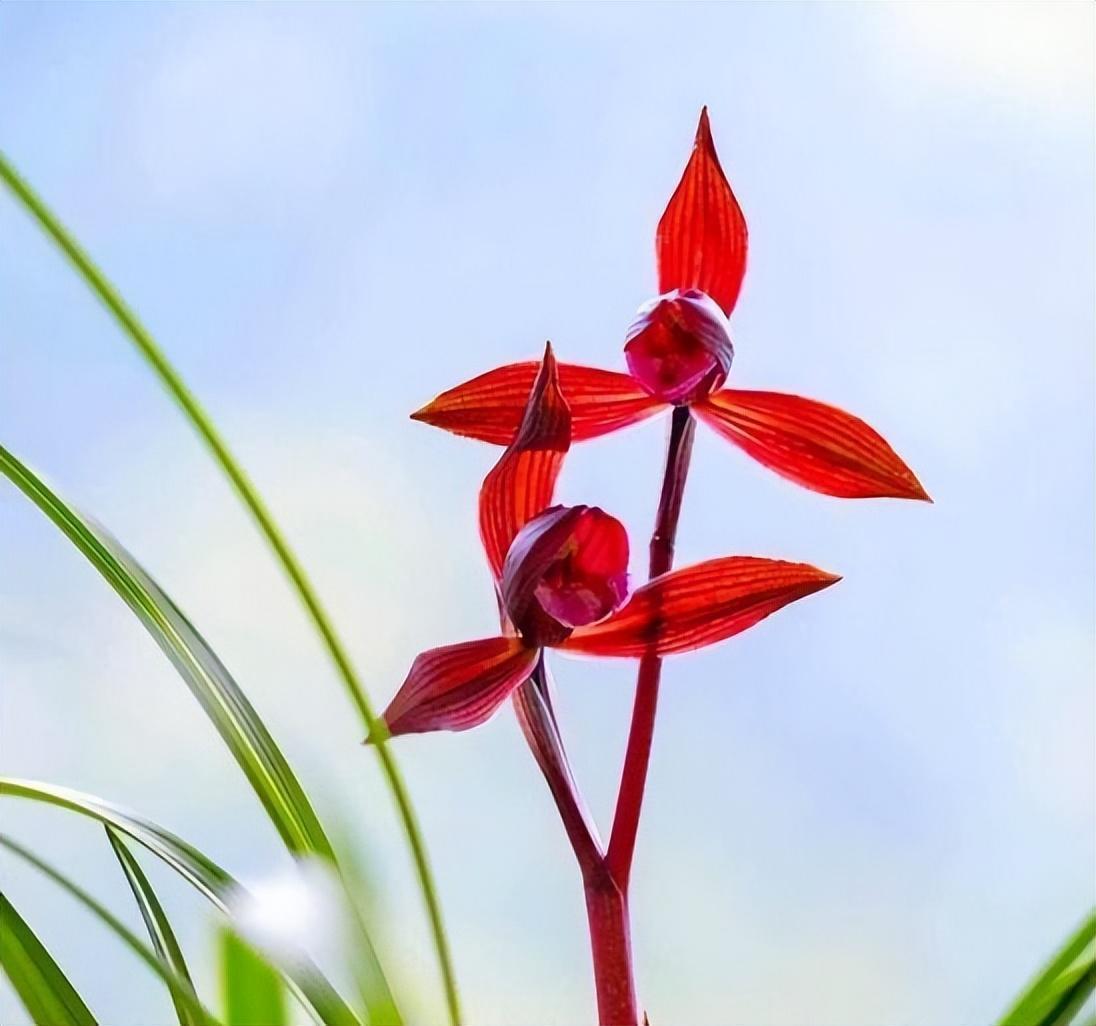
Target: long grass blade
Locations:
point(188, 403)
point(252, 991)
point(156, 922)
point(47, 995)
point(195, 867)
point(198, 869)
point(179, 987)
point(1059, 991)
point(210, 682)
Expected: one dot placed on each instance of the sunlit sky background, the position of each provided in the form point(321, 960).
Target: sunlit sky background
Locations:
point(876, 807)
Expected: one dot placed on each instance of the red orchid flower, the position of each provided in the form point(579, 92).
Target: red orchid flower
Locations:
point(561, 578)
point(679, 351)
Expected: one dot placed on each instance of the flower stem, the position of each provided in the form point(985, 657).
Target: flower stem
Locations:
point(637, 756)
point(169, 377)
point(611, 946)
point(533, 705)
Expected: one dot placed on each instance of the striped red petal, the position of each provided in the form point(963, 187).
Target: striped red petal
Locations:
point(701, 240)
point(522, 482)
point(814, 445)
point(459, 686)
point(490, 407)
point(699, 605)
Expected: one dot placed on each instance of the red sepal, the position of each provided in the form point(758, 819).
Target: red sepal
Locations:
point(701, 240)
point(699, 605)
point(522, 482)
point(490, 407)
point(459, 686)
point(814, 445)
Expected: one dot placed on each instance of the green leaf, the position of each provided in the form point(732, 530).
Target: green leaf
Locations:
point(1060, 990)
point(156, 922)
point(249, 495)
point(252, 989)
point(240, 727)
point(45, 991)
point(179, 987)
point(1077, 986)
point(200, 870)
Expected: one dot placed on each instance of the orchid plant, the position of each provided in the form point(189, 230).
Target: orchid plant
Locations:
point(560, 572)
point(560, 576)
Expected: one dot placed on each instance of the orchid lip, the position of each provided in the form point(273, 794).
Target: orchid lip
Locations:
point(566, 568)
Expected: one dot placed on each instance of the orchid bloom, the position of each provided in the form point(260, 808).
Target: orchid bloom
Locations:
point(679, 351)
point(561, 578)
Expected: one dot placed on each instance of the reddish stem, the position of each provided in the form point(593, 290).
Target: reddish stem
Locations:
point(611, 945)
point(605, 877)
point(633, 780)
point(533, 705)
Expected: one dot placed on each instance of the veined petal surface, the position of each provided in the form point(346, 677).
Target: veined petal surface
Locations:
point(522, 482)
point(698, 606)
point(701, 239)
point(459, 686)
point(815, 445)
point(490, 407)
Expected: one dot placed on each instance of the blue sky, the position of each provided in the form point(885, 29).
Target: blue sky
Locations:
point(877, 806)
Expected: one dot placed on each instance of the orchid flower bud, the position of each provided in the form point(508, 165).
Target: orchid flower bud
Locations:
point(679, 346)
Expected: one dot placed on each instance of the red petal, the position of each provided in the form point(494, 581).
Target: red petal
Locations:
point(521, 484)
point(815, 445)
point(698, 606)
point(701, 240)
point(490, 406)
point(459, 686)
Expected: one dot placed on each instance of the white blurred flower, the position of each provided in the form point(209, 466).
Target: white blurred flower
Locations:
point(295, 912)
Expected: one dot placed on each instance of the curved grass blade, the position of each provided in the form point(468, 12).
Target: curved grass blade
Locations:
point(156, 922)
point(179, 987)
point(220, 697)
point(195, 867)
point(47, 995)
point(1078, 984)
point(188, 403)
point(252, 991)
point(1060, 990)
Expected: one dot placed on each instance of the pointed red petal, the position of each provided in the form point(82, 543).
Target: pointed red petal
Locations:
point(815, 445)
point(698, 606)
point(459, 686)
point(521, 484)
point(701, 240)
point(490, 407)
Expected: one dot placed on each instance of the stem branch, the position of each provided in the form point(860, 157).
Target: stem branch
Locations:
point(637, 756)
